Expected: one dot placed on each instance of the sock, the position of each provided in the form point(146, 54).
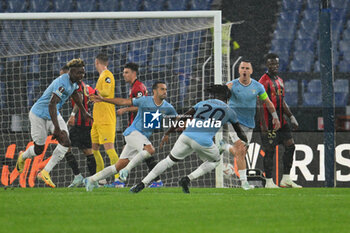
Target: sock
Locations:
point(158, 169)
point(285, 177)
point(99, 160)
point(203, 169)
point(107, 172)
point(227, 148)
point(29, 153)
point(72, 162)
point(268, 163)
point(113, 158)
point(243, 175)
point(138, 159)
point(151, 163)
point(288, 158)
point(269, 180)
point(91, 163)
point(57, 156)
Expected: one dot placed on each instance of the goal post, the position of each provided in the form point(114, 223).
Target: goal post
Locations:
point(172, 46)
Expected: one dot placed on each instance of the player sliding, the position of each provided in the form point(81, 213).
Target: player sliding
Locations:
point(44, 118)
point(199, 139)
point(138, 147)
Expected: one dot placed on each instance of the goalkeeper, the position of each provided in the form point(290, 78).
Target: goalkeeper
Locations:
point(103, 127)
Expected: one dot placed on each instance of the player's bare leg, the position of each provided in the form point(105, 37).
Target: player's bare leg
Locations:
point(238, 150)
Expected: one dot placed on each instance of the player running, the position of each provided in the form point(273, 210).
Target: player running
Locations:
point(44, 117)
point(199, 139)
point(138, 147)
point(138, 89)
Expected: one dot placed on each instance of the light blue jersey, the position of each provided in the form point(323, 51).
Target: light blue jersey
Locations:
point(209, 117)
point(148, 110)
point(243, 100)
point(62, 87)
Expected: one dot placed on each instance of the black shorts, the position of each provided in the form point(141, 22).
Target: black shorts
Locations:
point(276, 138)
point(80, 137)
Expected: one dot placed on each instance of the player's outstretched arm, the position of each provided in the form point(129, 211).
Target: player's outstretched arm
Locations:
point(289, 113)
point(188, 114)
point(240, 133)
point(121, 111)
point(117, 101)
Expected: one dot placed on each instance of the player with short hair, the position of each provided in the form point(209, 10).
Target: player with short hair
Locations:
point(138, 147)
point(137, 89)
point(44, 117)
point(244, 93)
point(274, 87)
point(104, 125)
point(200, 140)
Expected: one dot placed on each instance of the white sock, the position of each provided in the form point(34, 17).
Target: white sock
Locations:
point(137, 159)
point(285, 177)
point(57, 156)
point(107, 172)
point(203, 169)
point(227, 148)
point(29, 153)
point(158, 169)
point(269, 180)
point(243, 175)
point(78, 175)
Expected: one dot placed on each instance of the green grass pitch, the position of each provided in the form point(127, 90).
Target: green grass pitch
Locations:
point(169, 210)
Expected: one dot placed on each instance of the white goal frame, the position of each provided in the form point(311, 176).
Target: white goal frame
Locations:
point(217, 35)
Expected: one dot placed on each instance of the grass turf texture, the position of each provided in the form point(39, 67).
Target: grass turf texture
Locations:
point(169, 210)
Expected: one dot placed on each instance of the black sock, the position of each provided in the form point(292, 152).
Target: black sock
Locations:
point(91, 163)
point(151, 163)
point(72, 162)
point(288, 158)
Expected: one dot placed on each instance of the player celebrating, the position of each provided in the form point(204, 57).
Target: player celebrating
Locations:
point(198, 139)
point(44, 117)
point(244, 92)
point(270, 138)
point(103, 127)
point(138, 147)
point(137, 90)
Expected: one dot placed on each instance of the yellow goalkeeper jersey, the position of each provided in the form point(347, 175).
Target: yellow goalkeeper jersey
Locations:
point(104, 113)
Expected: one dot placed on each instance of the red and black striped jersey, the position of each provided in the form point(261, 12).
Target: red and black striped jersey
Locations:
point(84, 90)
point(137, 90)
point(274, 87)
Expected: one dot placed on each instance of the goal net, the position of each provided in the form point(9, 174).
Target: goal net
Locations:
point(170, 46)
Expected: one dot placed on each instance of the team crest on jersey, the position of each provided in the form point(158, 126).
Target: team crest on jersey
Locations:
point(253, 91)
point(108, 80)
point(61, 89)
